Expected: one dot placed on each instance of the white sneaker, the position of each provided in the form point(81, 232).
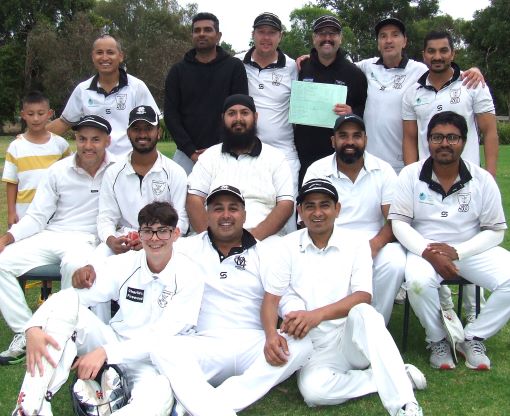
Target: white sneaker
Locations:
point(16, 352)
point(474, 353)
point(441, 355)
point(417, 378)
point(411, 409)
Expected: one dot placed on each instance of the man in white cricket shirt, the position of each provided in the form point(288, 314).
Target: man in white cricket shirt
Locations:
point(159, 292)
point(227, 350)
point(324, 274)
point(447, 212)
point(259, 170)
point(365, 186)
point(144, 176)
point(59, 227)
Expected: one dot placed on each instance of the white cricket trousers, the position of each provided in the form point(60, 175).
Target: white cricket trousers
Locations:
point(489, 270)
point(231, 360)
point(388, 275)
point(151, 394)
point(360, 360)
point(69, 248)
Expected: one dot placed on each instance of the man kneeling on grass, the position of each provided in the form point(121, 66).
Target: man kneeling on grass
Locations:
point(159, 292)
point(325, 276)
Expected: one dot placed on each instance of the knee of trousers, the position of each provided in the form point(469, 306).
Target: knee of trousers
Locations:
point(363, 312)
point(312, 382)
point(153, 396)
point(392, 257)
point(60, 312)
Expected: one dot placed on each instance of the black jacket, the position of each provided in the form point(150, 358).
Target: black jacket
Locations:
point(194, 96)
point(313, 143)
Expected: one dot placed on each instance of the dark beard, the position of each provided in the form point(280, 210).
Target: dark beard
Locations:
point(239, 141)
point(350, 158)
point(143, 150)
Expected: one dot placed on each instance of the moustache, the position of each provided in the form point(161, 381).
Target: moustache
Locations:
point(324, 42)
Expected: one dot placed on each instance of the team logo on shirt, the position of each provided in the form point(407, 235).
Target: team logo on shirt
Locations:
point(162, 300)
point(240, 262)
point(424, 198)
point(277, 79)
point(455, 96)
point(158, 187)
point(135, 295)
point(121, 99)
point(464, 200)
point(398, 81)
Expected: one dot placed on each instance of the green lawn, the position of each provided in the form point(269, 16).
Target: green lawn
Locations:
point(457, 392)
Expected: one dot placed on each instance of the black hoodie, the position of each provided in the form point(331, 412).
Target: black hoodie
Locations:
point(314, 143)
point(194, 96)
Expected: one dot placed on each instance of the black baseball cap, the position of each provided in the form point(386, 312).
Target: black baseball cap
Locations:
point(222, 190)
point(93, 121)
point(318, 185)
point(390, 21)
point(268, 19)
point(353, 118)
point(143, 113)
point(326, 21)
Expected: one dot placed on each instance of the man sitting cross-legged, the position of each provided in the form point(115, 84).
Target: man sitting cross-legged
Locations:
point(324, 274)
point(159, 292)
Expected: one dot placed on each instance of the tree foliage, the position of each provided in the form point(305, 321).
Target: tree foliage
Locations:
point(488, 37)
point(17, 19)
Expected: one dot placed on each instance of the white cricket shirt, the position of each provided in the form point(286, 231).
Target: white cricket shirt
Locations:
point(89, 98)
point(360, 201)
point(123, 194)
point(233, 288)
point(383, 108)
point(67, 199)
point(473, 203)
point(421, 102)
point(270, 89)
point(263, 176)
point(320, 277)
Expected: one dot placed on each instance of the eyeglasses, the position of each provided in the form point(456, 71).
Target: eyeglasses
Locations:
point(437, 138)
point(162, 233)
point(324, 33)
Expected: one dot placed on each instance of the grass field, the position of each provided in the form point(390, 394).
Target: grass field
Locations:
point(457, 392)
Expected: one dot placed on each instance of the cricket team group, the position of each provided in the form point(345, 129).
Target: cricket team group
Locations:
point(193, 286)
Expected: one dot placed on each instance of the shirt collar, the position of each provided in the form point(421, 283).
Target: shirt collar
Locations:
point(423, 80)
point(157, 167)
point(426, 175)
point(306, 242)
point(280, 62)
point(254, 152)
point(123, 81)
point(402, 64)
point(369, 164)
point(247, 241)
point(167, 277)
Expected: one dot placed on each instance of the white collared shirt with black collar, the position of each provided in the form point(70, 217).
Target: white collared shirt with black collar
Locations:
point(472, 204)
point(421, 102)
